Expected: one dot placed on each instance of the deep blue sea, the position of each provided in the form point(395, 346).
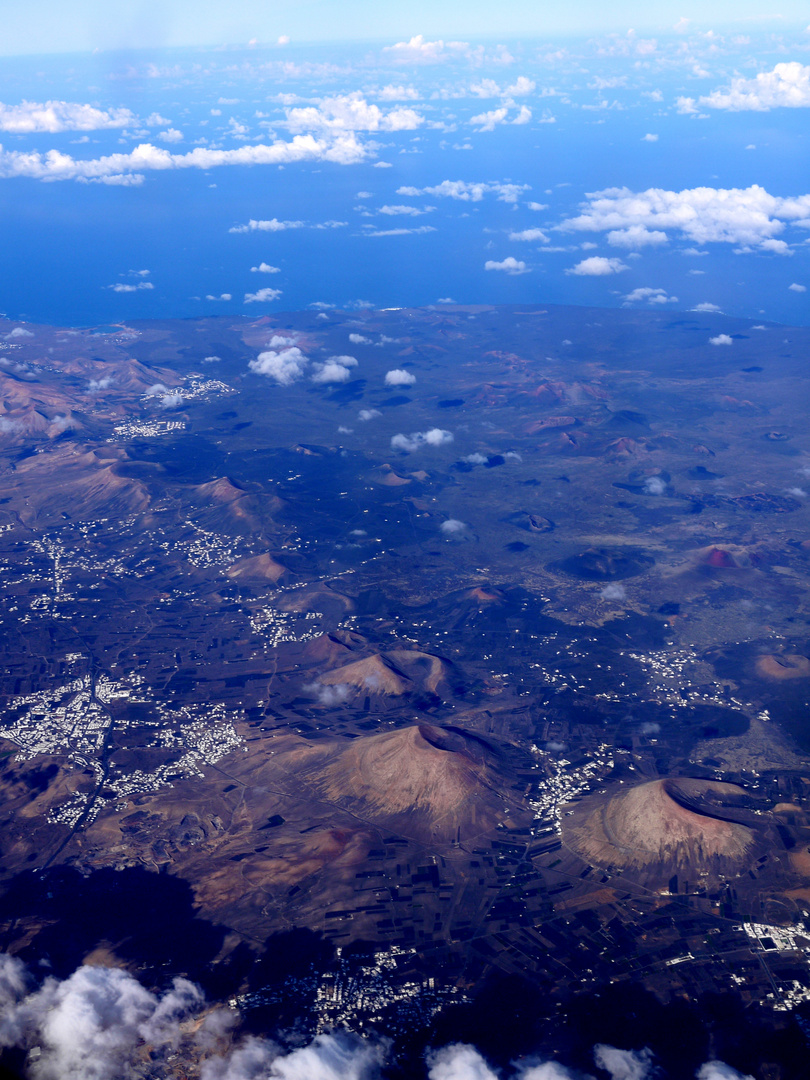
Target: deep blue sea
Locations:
point(67, 242)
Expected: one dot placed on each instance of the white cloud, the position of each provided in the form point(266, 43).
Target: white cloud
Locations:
point(398, 93)
point(787, 86)
point(650, 138)
point(330, 371)
point(458, 1061)
point(452, 527)
point(31, 117)
point(222, 296)
point(368, 414)
point(746, 216)
point(705, 306)
point(636, 236)
point(413, 211)
point(652, 296)
point(343, 149)
point(777, 247)
point(358, 339)
point(795, 287)
point(469, 192)
point(400, 232)
point(537, 206)
point(265, 268)
point(120, 287)
point(18, 332)
point(529, 234)
point(417, 439)
point(718, 1070)
point(172, 135)
point(614, 591)
point(623, 1064)
point(273, 225)
point(487, 121)
point(399, 377)
point(262, 296)
point(509, 265)
point(598, 266)
point(721, 339)
point(349, 113)
point(285, 366)
point(419, 51)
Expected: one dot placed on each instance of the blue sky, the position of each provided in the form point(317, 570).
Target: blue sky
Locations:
point(52, 26)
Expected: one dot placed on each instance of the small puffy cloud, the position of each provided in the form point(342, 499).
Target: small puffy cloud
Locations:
point(795, 287)
point(718, 1070)
point(598, 266)
point(459, 1061)
point(334, 370)
point(466, 191)
point(529, 235)
point(328, 695)
point(51, 117)
point(172, 135)
point(452, 527)
point(636, 236)
point(17, 333)
point(649, 138)
point(412, 211)
point(328, 372)
point(488, 121)
point(706, 306)
point(397, 93)
point(720, 339)
point(419, 51)
point(652, 296)
point(654, 485)
point(100, 384)
point(537, 206)
point(623, 1064)
point(171, 401)
point(399, 377)
point(776, 247)
point(120, 287)
point(787, 86)
point(368, 414)
point(156, 390)
point(284, 366)
point(222, 296)
point(265, 268)
point(262, 296)
point(509, 265)
point(401, 231)
point(417, 439)
point(358, 339)
point(613, 591)
point(273, 225)
point(351, 112)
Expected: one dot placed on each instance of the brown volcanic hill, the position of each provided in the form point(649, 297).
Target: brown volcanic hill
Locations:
point(676, 826)
point(225, 503)
point(260, 567)
point(430, 782)
point(71, 480)
point(373, 675)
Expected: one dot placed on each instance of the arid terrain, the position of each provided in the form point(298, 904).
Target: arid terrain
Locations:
point(472, 639)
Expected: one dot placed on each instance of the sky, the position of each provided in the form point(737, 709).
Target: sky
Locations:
point(621, 167)
point(52, 26)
